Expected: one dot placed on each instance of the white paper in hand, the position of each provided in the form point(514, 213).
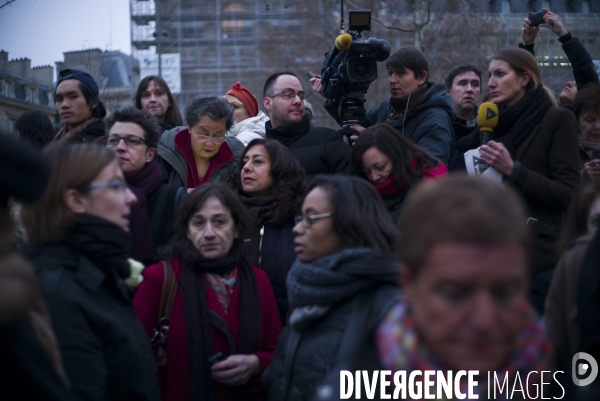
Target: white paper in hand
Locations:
point(478, 168)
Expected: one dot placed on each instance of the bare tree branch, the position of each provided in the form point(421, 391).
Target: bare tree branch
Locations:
point(7, 3)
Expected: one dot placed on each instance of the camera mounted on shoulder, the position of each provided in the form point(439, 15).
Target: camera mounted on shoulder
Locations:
point(351, 67)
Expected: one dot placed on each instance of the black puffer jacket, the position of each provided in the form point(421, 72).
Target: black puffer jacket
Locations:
point(106, 352)
point(319, 150)
point(309, 347)
point(275, 255)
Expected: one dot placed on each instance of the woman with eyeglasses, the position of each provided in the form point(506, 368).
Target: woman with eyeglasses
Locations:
point(133, 134)
point(79, 234)
point(224, 322)
point(346, 270)
point(271, 184)
point(200, 152)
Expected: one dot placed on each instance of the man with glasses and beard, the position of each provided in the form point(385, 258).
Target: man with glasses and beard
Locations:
point(319, 150)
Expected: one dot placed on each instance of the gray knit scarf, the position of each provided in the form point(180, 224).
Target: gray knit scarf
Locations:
point(313, 288)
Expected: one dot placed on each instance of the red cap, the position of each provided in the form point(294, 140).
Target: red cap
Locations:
point(246, 97)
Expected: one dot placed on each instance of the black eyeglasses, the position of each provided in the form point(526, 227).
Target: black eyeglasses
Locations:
point(289, 95)
point(308, 219)
point(130, 140)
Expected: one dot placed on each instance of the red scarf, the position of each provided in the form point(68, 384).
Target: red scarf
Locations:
point(390, 188)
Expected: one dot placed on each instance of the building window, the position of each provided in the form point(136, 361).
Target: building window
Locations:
point(505, 6)
point(31, 97)
point(11, 126)
point(7, 87)
point(585, 7)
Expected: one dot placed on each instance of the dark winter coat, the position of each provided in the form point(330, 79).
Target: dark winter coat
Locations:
point(93, 133)
point(304, 357)
point(429, 125)
point(177, 167)
point(106, 353)
point(546, 174)
point(273, 252)
point(584, 70)
point(319, 150)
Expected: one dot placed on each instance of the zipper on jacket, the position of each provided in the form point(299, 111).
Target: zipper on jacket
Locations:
point(262, 233)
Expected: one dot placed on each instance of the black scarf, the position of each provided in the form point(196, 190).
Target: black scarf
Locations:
point(515, 123)
point(262, 209)
point(407, 104)
point(289, 134)
point(197, 315)
point(142, 184)
point(313, 288)
point(104, 243)
point(592, 148)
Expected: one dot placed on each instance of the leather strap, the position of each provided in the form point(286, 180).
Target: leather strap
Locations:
point(163, 318)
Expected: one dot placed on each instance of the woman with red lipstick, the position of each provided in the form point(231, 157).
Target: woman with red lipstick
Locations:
point(393, 164)
point(200, 152)
point(224, 323)
point(535, 148)
point(272, 184)
point(79, 234)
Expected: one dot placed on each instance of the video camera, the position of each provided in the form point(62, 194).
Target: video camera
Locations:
point(351, 67)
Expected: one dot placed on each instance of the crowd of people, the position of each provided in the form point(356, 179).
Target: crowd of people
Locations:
point(230, 253)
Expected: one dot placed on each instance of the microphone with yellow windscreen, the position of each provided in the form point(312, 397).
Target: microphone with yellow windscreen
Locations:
point(487, 120)
point(343, 42)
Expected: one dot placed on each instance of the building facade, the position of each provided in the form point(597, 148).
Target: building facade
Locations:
point(225, 41)
point(23, 88)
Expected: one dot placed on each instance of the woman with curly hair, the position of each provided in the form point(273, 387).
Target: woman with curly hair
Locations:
point(271, 184)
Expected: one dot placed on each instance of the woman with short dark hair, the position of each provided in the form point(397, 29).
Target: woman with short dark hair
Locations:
point(224, 322)
point(79, 231)
point(36, 127)
point(393, 164)
point(271, 184)
point(346, 270)
point(154, 96)
point(133, 134)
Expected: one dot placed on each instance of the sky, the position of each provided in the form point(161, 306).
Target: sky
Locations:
point(42, 30)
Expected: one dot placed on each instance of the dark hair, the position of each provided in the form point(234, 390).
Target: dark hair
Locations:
point(216, 107)
point(72, 166)
point(577, 217)
point(147, 122)
point(180, 245)
point(408, 58)
point(400, 150)
point(460, 209)
point(99, 111)
point(271, 81)
point(36, 127)
point(289, 178)
point(172, 115)
point(587, 99)
point(461, 69)
point(359, 216)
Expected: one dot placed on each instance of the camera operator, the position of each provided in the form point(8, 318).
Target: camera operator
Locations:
point(417, 108)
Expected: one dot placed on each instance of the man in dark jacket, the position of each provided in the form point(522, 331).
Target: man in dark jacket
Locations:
point(463, 84)
point(319, 150)
point(420, 110)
